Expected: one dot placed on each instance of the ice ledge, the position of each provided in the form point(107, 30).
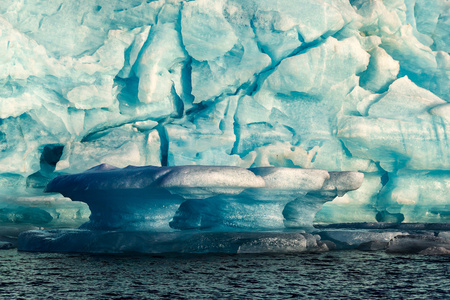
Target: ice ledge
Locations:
point(215, 198)
point(207, 181)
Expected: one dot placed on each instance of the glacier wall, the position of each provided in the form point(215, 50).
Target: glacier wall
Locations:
point(328, 84)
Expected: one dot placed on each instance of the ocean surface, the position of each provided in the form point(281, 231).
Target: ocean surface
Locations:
point(332, 275)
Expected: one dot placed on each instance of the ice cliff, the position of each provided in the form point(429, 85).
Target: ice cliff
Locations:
point(327, 84)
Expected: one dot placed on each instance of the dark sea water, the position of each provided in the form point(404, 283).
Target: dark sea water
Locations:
point(332, 275)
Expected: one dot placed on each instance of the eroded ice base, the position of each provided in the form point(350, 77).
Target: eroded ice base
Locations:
point(99, 241)
point(203, 197)
point(410, 238)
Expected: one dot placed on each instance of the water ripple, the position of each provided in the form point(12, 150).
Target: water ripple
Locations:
point(333, 275)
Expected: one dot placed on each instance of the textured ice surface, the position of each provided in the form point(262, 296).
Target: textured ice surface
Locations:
point(194, 209)
point(100, 241)
point(328, 84)
point(203, 197)
point(174, 242)
point(347, 239)
point(425, 244)
point(23, 208)
point(5, 245)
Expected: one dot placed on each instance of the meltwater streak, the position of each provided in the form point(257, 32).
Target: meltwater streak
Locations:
point(334, 275)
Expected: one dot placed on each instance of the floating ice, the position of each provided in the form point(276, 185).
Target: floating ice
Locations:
point(5, 245)
point(203, 197)
point(72, 240)
point(194, 209)
point(426, 244)
point(328, 84)
point(369, 240)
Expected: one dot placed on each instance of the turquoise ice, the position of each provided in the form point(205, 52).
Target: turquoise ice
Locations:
point(217, 198)
point(328, 84)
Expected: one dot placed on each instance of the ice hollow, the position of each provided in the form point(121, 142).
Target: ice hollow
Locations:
point(203, 197)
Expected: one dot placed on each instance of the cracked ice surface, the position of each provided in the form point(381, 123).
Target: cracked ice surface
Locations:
point(328, 84)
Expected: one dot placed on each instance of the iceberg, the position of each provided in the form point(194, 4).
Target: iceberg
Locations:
point(191, 203)
point(335, 85)
point(203, 197)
